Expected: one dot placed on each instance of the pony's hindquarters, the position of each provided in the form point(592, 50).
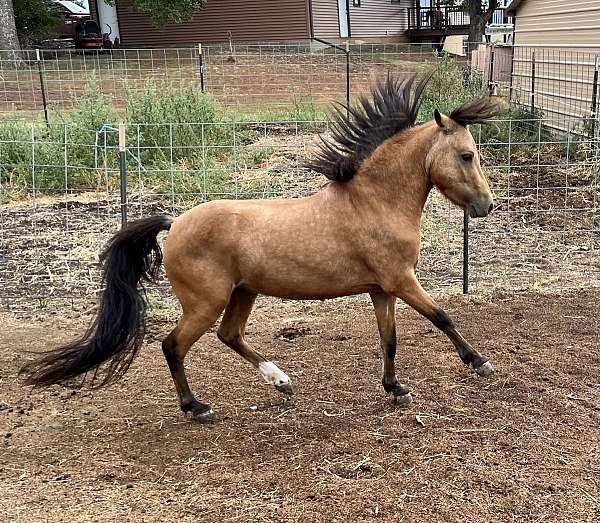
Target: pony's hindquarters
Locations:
point(116, 334)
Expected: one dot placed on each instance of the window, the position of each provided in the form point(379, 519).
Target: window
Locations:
point(356, 3)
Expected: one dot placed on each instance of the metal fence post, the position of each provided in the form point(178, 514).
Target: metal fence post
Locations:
point(123, 174)
point(594, 100)
point(465, 275)
point(347, 74)
point(512, 72)
point(491, 72)
point(201, 66)
point(42, 85)
point(532, 81)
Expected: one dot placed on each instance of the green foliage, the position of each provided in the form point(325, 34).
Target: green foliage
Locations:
point(165, 143)
point(451, 85)
point(93, 108)
point(175, 103)
point(36, 18)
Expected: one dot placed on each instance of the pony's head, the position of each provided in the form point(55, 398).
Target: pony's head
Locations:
point(453, 161)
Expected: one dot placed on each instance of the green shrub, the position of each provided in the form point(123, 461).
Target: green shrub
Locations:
point(175, 103)
point(450, 86)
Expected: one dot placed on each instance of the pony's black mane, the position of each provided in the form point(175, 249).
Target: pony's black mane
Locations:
point(393, 107)
point(478, 111)
point(358, 131)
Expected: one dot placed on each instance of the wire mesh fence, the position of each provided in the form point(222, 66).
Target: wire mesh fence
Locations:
point(241, 76)
point(60, 200)
point(60, 75)
point(560, 84)
point(544, 233)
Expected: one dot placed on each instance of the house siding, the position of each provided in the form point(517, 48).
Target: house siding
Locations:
point(379, 18)
point(564, 42)
point(326, 23)
point(555, 22)
point(263, 20)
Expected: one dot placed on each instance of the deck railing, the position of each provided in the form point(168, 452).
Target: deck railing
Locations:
point(442, 18)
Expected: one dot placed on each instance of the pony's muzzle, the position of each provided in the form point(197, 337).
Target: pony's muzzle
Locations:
point(481, 208)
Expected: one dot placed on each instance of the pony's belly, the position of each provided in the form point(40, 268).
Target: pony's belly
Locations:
point(309, 290)
point(319, 295)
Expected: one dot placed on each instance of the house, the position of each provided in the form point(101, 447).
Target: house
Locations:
point(555, 22)
point(432, 22)
point(293, 20)
point(260, 20)
point(556, 60)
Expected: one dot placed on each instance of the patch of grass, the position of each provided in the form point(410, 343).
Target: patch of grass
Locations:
point(301, 110)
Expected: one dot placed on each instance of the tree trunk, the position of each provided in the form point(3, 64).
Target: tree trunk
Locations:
point(476, 30)
point(480, 14)
point(9, 42)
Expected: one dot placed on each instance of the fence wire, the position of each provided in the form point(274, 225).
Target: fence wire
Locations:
point(246, 77)
point(59, 188)
point(559, 84)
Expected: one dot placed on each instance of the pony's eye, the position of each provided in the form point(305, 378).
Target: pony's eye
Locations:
point(467, 157)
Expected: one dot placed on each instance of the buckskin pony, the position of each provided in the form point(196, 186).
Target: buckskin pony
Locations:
point(359, 234)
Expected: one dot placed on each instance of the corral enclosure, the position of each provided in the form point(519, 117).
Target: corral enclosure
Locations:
point(522, 447)
point(250, 76)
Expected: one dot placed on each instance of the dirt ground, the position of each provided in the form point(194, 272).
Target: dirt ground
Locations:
point(523, 446)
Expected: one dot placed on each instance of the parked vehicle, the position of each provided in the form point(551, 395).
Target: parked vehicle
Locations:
point(73, 15)
point(88, 35)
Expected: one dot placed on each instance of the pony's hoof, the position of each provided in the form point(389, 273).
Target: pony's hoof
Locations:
point(403, 400)
point(285, 388)
point(200, 412)
point(485, 369)
point(206, 416)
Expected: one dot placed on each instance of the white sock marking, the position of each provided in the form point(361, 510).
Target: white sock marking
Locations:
point(272, 373)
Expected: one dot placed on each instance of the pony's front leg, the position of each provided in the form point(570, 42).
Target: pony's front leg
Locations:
point(385, 311)
point(414, 295)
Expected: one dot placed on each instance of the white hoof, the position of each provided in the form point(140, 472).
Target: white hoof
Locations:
point(485, 370)
point(273, 375)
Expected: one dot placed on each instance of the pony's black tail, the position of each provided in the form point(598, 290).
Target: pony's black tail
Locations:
point(116, 335)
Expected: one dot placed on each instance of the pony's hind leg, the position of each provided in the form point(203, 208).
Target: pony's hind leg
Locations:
point(385, 311)
point(231, 333)
point(193, 323)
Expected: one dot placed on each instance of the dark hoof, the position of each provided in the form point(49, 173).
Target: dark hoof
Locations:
point(285, 388)
point(400, 394)
point(403, 400)
point(199, 412)
point(485, 370)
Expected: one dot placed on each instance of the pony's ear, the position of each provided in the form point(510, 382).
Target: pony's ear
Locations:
point(438, 119)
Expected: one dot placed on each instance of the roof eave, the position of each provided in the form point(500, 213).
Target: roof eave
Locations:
point(513, 6)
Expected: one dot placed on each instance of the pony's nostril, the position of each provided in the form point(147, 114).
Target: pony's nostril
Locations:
point(491, 208)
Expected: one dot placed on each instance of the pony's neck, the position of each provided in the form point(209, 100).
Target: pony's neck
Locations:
point(395, 176)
